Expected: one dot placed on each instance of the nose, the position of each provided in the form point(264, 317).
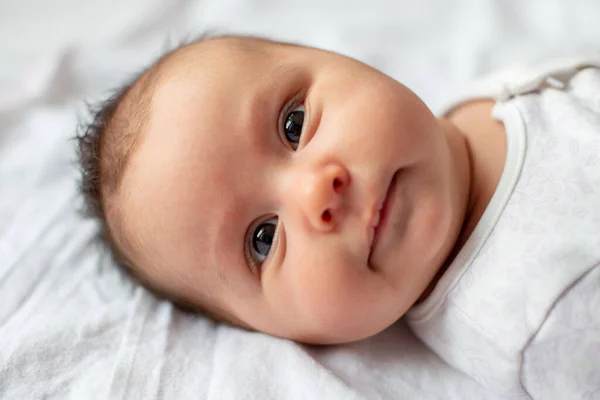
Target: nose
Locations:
point(320, 193)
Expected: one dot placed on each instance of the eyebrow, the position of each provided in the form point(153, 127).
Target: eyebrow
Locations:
point(280, 72)
point(262, 100)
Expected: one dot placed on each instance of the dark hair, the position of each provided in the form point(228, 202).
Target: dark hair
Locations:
point(90, 145)
point(105, 143)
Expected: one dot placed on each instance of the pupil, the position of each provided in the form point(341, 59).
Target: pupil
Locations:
point(263, 237)
point(293, 126)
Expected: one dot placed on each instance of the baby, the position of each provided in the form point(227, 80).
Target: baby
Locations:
point(303, 194)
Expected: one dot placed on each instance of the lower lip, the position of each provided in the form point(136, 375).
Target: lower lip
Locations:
point(384, 213)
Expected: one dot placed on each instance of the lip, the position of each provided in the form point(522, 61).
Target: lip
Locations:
point(382, 216)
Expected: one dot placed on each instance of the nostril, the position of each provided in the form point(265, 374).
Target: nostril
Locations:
point(337, 183)
point(326, 216)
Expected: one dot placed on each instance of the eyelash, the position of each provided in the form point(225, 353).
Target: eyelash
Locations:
point(256, 264)
point(294, 102)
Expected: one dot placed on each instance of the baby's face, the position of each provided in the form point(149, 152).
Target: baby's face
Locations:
point(298, 192)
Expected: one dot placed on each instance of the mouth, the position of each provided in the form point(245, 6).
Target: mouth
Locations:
point(381, 217)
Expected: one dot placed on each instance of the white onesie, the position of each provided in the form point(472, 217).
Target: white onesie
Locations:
point(519, 307)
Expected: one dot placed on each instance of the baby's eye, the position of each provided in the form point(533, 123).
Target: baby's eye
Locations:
point(292, 126)
point(261, 240)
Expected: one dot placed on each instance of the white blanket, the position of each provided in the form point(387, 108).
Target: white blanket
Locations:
point(72, 326)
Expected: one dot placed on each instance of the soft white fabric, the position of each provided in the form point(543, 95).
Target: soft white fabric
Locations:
point(72, 327)
point(506, 304)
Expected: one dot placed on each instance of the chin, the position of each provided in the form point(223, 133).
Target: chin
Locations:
point(329, 334)
point(437, 231)
point(332, 338)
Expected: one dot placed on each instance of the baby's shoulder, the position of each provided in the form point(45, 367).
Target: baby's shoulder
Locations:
point(478, 111)
point(476, 116)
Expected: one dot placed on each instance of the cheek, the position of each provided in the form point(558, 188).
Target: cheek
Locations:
point(404, 124)
point(321, 278)
point(332, 296)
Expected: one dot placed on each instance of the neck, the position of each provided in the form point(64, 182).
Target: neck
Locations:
point(479, 153)
point(485, 140)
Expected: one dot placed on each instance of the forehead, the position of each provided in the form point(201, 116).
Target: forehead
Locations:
point(180, 195)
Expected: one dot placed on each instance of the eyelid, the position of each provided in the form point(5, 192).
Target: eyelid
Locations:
point(297, 100)
point(256, 265)
point(253, 263)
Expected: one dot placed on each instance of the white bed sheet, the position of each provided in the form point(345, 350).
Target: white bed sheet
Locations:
point(71, 326)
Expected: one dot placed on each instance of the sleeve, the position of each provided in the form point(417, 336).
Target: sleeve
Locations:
point(562, 361)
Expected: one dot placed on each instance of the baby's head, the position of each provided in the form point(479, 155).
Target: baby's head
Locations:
point(281, 188)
